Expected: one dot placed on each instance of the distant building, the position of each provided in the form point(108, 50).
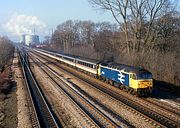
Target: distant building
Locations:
point(41, 45)
point(22, 39)
point(29, 39)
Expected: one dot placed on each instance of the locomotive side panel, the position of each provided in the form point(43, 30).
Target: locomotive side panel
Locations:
point(115, 75)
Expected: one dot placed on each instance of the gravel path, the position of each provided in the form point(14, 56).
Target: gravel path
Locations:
point(8, 100)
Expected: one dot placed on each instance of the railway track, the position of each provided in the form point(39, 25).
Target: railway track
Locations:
point(150, 114)
point(85, 102)
point(41, 115)
point(31, 106)
point(121, 104)
point(86, 121)
point(173, 110)
point(158, 118)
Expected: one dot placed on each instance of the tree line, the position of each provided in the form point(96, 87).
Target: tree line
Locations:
point(146, 34)
point(6, 51)
point(75, 36)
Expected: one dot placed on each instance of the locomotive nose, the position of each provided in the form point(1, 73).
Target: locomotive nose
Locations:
point(144, 84)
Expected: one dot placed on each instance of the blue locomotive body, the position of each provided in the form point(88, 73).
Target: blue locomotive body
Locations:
point(115, 75)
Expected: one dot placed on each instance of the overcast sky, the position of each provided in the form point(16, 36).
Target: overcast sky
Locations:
point(22, 16)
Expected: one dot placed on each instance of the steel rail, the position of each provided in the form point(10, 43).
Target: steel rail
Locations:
point(46, 115)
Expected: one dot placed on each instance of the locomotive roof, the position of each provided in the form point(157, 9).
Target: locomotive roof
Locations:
point(124, 67)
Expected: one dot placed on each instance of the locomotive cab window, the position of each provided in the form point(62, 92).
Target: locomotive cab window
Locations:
point(133, 76)
point(144, 75)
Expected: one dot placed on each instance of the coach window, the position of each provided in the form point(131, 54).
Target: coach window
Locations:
point(91, 65)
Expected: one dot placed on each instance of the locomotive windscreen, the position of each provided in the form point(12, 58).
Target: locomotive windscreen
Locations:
point(144, 74)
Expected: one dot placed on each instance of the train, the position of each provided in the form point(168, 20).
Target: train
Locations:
point(135, 80)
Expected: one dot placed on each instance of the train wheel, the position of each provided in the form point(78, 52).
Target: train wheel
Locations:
point(126, 89)
point(116, 84)
point(121, 87)
point(139, 93)
point(132, 91)
point(147, 93)
point(111, 83)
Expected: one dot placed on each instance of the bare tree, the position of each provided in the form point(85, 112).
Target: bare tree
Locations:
point(169, 30)
point(105, 40)
point(64, 36)
point(47, 40)
point(6, 50)
point(86, 31)
point(136, 19)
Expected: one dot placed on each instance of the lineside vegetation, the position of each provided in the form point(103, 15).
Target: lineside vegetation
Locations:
point(146, 34)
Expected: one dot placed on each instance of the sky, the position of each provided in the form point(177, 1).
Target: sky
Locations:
point(24, 16)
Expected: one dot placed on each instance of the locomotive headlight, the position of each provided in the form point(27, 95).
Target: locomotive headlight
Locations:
point(140, 84)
